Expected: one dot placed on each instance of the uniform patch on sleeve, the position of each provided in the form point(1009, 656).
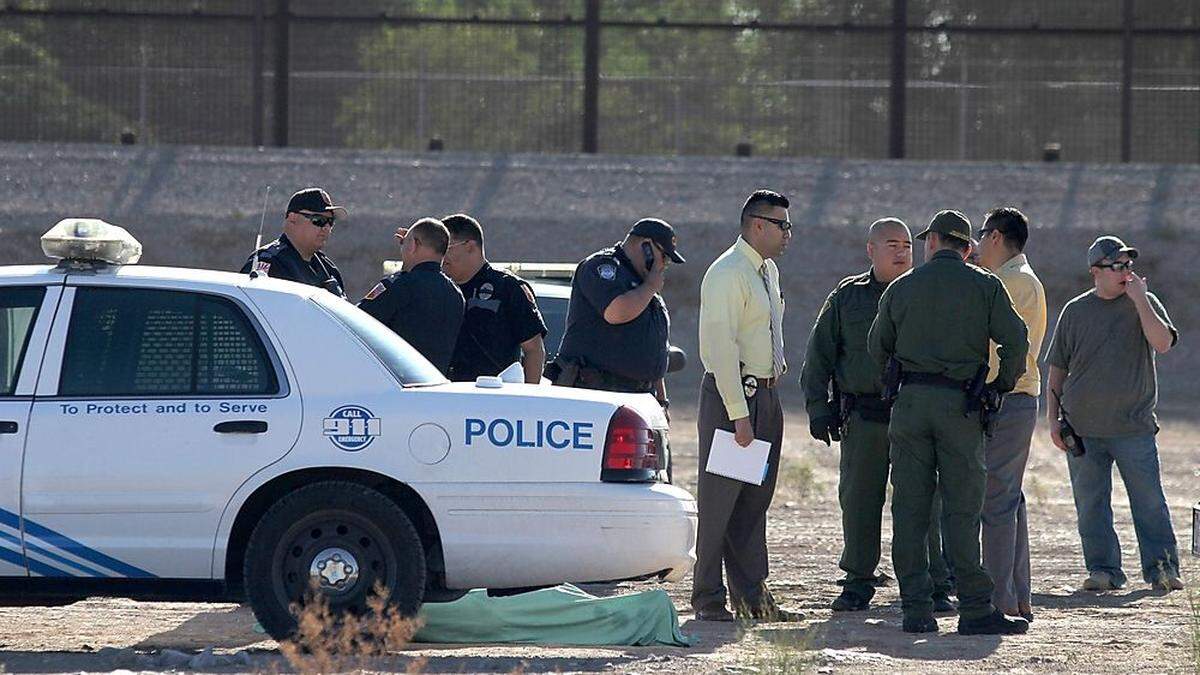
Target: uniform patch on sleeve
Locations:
point(375, 292)
point(607, 272)
point(262, 266)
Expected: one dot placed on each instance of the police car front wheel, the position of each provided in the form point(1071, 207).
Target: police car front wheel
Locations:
point(342, 540)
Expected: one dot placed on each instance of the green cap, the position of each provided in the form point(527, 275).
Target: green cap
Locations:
point(949, 224)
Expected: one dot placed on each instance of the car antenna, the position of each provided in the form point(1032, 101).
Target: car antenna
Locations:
point(258, 240)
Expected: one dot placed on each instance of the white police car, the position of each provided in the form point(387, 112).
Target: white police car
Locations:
point(180, 433)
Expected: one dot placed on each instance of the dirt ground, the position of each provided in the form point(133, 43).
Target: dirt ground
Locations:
point(1135, 629)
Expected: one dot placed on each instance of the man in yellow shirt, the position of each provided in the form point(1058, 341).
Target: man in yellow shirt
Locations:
point(741, 347)
point(1005, 526)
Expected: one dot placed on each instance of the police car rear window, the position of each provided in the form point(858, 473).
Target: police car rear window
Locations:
point(143, 342)
point(399, 357)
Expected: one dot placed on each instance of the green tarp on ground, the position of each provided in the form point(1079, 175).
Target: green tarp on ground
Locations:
point(563, 615)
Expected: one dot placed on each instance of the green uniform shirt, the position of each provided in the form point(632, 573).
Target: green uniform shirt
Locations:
point(837, 346)
point(939, 317)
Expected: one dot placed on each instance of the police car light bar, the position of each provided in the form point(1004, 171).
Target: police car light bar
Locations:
point(528, 270)
point(91, 239)
point(525, 270)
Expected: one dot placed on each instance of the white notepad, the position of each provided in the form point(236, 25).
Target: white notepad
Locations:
point(727, 458)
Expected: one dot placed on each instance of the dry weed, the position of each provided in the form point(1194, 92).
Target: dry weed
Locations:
point(327, 642)
point(1194, 624)
point(797, 478)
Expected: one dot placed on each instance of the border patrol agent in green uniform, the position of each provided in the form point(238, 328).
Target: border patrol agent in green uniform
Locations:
point(842, 391)
point(934, 323)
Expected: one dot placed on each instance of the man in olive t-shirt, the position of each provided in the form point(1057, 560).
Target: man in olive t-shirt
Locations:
point(1102, 377)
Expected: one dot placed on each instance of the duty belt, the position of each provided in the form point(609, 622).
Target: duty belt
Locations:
point(612, 381)
point(867, 401)
point(934, 380)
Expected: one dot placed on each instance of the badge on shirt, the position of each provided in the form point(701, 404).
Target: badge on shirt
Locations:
point(749, 386)
point(486, 291)
point(375, 292)
point(607, 272)
point(262, 266)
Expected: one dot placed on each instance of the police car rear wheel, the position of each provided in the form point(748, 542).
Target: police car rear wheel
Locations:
point(340, 540)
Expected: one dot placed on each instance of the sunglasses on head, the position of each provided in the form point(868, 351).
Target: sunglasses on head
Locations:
point(1117, 266)
point(782, 223)
point(319, 220)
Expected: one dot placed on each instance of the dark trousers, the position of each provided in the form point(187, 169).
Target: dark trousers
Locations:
point(733, 515)
point(862, 489)
point(935, 449)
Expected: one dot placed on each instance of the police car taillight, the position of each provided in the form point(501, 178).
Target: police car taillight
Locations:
point(630, 449)
point(91, 240)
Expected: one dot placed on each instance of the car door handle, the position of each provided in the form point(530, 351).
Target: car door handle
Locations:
point(241, 427)
point(8, 427)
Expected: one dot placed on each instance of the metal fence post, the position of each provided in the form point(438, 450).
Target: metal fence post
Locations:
point(257, 85)
point(591, 77)
point(896, 106)
point(1127, 83)
point(282, 69)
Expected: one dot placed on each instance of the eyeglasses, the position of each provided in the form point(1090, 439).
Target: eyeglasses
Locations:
point(983, 232)
point(319, 220)
point(457, 243)
point(1117, 266)
point(783, 224)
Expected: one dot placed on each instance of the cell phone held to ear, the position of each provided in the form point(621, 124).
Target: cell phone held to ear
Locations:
point(648, 254)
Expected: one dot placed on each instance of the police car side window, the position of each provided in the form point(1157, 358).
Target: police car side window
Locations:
point(142, 342)
point(18, 312)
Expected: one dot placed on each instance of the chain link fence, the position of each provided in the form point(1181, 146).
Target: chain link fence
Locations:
point(1080, 80)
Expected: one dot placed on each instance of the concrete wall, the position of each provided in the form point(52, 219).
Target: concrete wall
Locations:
point(200, 207)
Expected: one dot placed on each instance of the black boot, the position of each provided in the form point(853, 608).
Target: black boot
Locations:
point(943, 604)
point(992, 624)
point(850, 601)
point(920, 624)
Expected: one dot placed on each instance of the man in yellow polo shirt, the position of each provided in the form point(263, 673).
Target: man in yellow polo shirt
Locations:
point(741, 347)
point(1005, 526)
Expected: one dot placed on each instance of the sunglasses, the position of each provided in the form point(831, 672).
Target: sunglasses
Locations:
point(1117, 266)
point(783, 224)
point(319, 220)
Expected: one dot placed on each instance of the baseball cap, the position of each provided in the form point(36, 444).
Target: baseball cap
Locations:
point(660, 233)
point(1108, 247)
point(313, 200)
point(949, 224)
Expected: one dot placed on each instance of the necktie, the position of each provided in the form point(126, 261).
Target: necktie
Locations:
point(778, 365)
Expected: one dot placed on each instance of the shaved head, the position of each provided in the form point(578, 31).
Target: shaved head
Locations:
point(889, 246)
point(888, 228)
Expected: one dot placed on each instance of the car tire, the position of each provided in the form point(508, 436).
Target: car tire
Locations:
point(342, 536)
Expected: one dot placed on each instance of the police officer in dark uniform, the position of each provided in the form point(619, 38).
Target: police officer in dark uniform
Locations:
point(296, 255)
point(502, 324)
point(932, 334)
point(420, 303)
point(617, 332)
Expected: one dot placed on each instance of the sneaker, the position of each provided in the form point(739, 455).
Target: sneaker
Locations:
point(1168, 582)
point(1100, 581)
point(919, 624)
point(942, 604)
point(1026, 613)
point(992, 624)
point(849, 602)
